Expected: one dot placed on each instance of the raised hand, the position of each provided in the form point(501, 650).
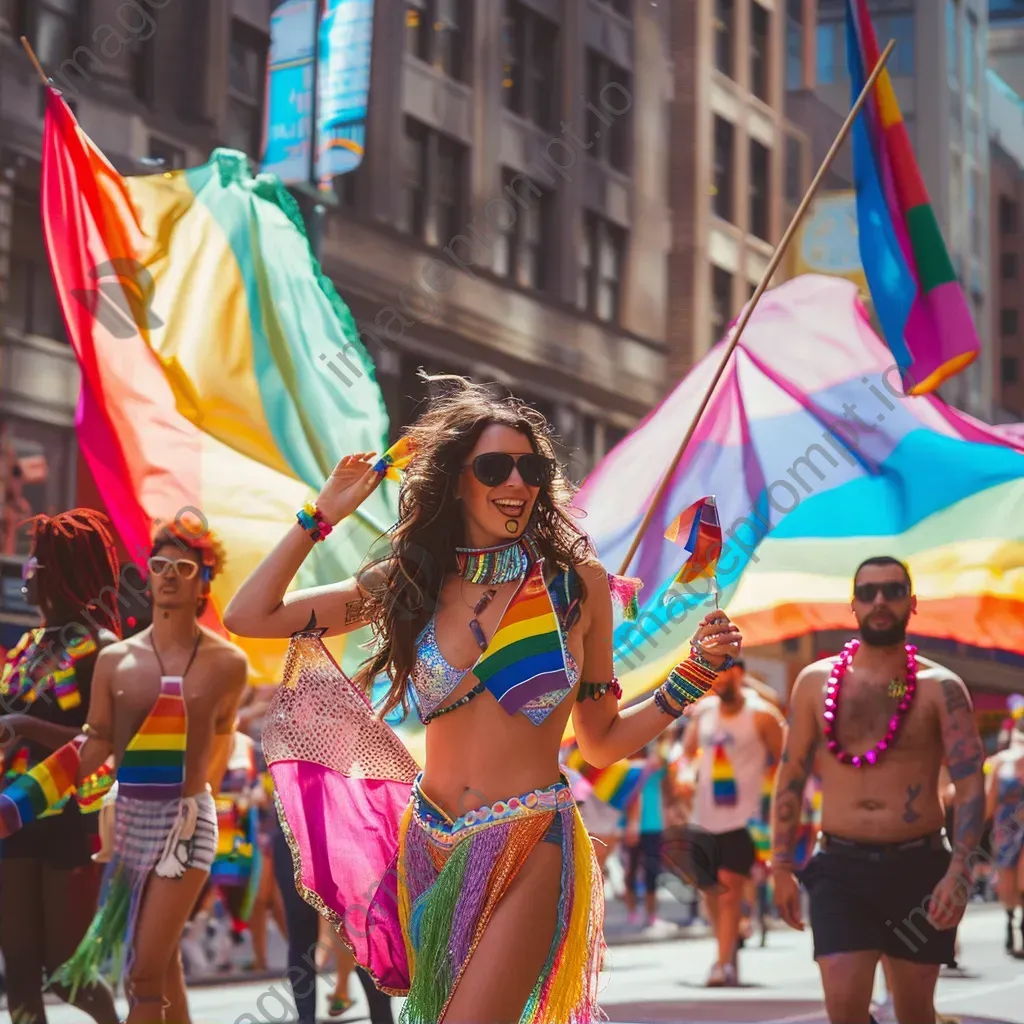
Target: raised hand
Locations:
point(352, 481)
point(718, 638)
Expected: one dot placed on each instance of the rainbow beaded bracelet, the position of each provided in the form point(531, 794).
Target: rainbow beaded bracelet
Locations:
point(312, 520)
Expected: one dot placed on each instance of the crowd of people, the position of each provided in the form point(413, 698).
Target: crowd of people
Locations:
point(150, 792)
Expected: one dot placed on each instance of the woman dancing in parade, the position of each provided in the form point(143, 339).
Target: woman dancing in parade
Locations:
point(471, 887)
point(48, 883)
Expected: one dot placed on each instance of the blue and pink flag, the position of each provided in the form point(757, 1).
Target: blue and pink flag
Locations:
point(922, 310)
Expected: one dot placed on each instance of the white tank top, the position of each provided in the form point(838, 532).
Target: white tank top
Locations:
point(731, 768)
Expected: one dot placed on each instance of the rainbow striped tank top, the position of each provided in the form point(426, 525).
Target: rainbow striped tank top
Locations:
point(153, 766)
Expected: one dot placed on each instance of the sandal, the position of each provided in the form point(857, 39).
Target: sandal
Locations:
point(339, 1005)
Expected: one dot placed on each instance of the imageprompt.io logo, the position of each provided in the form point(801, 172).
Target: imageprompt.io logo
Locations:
point(122, 298)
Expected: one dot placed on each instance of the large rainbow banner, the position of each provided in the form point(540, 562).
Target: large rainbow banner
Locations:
point(203, 327)
point(817, 461)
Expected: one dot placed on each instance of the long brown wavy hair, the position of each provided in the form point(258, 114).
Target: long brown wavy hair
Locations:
point(403, 584)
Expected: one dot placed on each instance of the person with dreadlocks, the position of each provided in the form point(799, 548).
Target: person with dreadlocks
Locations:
point(48, 882)
point(164, 704)
point(473, 887)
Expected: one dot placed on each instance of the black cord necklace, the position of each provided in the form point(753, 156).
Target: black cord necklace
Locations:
point(160, 661)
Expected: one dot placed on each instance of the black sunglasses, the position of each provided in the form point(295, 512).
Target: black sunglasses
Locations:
point(867, 592)
point(493, 468)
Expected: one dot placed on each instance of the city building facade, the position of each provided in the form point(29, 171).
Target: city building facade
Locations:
point(510, 220)
point(738, 167)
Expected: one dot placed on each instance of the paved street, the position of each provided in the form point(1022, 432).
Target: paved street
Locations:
point(663, 982)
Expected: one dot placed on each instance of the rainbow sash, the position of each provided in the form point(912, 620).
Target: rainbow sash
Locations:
point(524, 666)
point(153, 766)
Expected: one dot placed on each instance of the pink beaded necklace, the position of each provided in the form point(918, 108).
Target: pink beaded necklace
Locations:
point(831, 713)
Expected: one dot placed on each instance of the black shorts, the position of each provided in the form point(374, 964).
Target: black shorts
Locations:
point(866, 897)
point(698, 855)
point(64, 842)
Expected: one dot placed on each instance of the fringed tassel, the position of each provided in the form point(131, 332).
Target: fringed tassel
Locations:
point(101, 952)
point(625, 603)
point(433, 916)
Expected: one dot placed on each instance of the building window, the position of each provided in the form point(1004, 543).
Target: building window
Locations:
point(722, 195)
point(1008, 266)
point(794, 170)
point(1007, 216)
point(952, 49)
point(412, 212)
point(531, 65)
point(54, 27)
point(623, 7)
point(1008, 370)
point(438, 32)
point(32, 306)
point(721, 302)
point(609, 120)
point(725, 35)
point(434, 180)
point(246, 72)
point(170, 157)
point(1008, 322)
point(831, 45)
point(760, 159)
point(601, 266)
point(794, 44)
point(759, 19)
point(524, 251)
point(970, 52)
point(449, 189)
point(901, 28)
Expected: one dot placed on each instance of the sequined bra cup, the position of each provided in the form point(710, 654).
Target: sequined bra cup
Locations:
point(527, 665)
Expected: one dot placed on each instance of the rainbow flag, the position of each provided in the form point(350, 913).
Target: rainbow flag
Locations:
point(153, 766)
point(817, 461)
point(206, 332)
point(699, 532)
point(723, 778)
point(920, 305)
point(615, 785)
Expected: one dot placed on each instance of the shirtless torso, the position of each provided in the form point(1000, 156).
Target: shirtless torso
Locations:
point(129, 683)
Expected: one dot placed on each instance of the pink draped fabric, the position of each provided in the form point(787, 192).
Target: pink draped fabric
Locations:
point(343, 780)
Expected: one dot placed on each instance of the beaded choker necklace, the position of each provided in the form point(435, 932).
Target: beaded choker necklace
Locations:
point(501, 564)
point(831, 713)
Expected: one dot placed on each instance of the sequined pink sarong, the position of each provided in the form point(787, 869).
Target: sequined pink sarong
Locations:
point(343, 781)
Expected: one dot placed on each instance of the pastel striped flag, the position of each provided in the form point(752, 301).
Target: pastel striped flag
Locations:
point(922, 310)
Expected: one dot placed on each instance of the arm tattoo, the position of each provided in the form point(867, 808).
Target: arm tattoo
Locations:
point(969, 822)
point(788, 803)
point(964, 752)
point(354, 611)
point(909, 814)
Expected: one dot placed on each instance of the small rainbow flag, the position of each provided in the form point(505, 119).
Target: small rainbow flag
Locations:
point(396, 459)
point(153, 766)
point(723, 779)
point(525, 658)
point(698, 530)
point(615, 785)
point(924, 316)
point(39, 790)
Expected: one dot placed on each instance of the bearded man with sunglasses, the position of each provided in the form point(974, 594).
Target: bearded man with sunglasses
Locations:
point(164, 703)
point(878, 722)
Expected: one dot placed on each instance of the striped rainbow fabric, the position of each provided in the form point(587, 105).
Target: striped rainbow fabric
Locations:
point(524, 659)
point(615, 785)
point(38, 790)
point(205, 333)
point(153, 766)
point(920, 305)
point(817, 461)
point(723, 778)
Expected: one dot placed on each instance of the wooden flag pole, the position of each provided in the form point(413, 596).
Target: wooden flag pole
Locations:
point(35, 60)
point(780, 251)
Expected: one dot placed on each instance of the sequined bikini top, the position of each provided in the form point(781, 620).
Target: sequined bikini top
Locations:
point(527, 665)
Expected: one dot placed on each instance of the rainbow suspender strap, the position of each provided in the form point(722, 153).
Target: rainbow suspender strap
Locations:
point(153, 767)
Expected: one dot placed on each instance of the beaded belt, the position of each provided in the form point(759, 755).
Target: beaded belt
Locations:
point(432, 819)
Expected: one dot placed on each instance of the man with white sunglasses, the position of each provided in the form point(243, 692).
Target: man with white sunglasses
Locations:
point(165, 703)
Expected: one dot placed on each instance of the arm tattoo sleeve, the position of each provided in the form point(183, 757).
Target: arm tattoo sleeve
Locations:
point(788, 804)
point(965, 756)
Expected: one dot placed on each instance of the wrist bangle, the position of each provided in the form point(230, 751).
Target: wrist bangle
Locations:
point(312, 520)
point(663, 704)
point(688, 682)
